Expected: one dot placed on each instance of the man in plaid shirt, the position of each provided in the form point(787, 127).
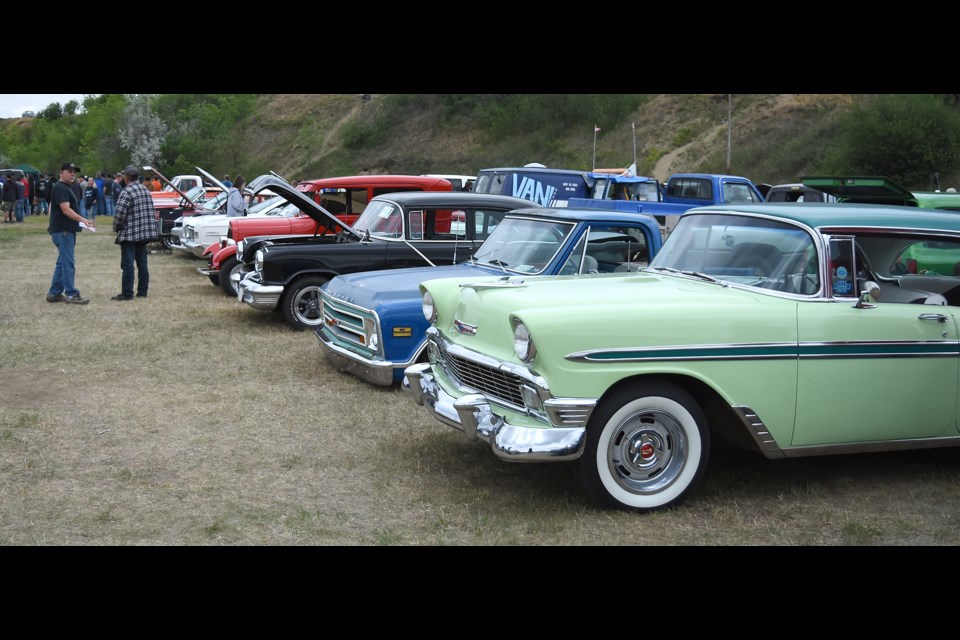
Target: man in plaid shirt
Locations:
point(136, 227)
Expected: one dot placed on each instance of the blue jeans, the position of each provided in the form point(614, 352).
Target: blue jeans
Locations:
point(92, 210)
point(23, 208)
point(83, 209)
point(66, 270)
point(109, 208)
point(131, 252)
point(42, 206)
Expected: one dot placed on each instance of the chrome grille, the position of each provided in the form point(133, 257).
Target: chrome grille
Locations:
point(491, 381)
point(343, 322)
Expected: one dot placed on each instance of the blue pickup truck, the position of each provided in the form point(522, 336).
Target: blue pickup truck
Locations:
point(666, 202)
point(373, 324)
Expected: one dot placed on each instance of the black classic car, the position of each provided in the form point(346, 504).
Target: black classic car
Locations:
point(396, 230)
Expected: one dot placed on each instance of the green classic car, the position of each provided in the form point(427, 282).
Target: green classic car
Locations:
point(790, 330)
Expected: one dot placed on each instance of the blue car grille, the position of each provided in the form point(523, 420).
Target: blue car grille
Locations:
point(344, 322)
point(490, 381)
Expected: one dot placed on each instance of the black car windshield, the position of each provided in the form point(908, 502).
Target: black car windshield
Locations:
point(523, 245)
point(742, 250)
point(381, 218)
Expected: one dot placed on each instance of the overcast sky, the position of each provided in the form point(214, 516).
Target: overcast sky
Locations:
point(12, 105)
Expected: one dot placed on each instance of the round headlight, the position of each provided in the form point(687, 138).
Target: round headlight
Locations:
point(523, 344)
point(429, 310)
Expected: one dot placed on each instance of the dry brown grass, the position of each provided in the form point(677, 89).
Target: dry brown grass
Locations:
point(190, 419)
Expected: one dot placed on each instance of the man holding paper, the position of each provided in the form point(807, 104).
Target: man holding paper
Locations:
point(64, 224)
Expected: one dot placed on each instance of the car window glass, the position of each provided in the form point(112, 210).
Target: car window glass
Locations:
point(523, 245)
point(744, 250)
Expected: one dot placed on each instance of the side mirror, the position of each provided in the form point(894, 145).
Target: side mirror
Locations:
point(869, 293)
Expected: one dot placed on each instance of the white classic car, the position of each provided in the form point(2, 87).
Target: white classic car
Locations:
point(199, 232)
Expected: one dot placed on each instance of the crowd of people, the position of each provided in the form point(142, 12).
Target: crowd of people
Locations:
point(74, 201)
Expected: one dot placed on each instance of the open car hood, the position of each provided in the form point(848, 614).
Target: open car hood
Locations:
point(863, 189)
point(213, 180)
point(171, 185)
point(291, 194)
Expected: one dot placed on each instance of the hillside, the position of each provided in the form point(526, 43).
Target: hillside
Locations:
point(300, 136)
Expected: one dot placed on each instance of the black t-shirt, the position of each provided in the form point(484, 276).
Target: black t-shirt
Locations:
point(62, 192)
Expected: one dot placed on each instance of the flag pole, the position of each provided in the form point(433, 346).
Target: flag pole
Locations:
point(633, 126)
point(595, 130)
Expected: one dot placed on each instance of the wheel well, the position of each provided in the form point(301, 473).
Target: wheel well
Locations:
point(726, 429)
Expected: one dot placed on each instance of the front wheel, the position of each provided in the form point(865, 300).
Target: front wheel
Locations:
point(301, 302)
point(647, 447)
point(228, 267)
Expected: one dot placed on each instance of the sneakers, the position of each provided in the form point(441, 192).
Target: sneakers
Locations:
point(120, 296)
point(77, 299)
point(57, 298)
point(141, 295)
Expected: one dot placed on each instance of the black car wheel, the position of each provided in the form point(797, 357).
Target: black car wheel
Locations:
point(227, 268)
point(301, 302)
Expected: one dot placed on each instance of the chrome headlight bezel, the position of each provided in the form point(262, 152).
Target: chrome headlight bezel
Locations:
point(523, 344)
point(428, 307)
point(258, 260)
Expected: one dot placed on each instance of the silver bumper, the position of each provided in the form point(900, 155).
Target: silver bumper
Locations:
point(472, 414)
point(258, 296)
point(378, 372)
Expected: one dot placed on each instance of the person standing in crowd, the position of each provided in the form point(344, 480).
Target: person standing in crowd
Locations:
point(157, 186)
point(22, 186)
point(108, 201)
point(136, 227)
point(32, 203)
point(78, 187)
point(101, 201)
point(91, 199)
point(63, 228)
point(10, 196)
point(235, 204)
point(42, 188)
point(226, 181)
point(51, 180)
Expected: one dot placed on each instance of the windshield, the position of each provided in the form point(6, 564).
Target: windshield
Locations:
point(523, 245)
point(286, 211)
point(216, 202)
point(743, 250)
point(381, 218)
point(265, 204)
point(196, 194)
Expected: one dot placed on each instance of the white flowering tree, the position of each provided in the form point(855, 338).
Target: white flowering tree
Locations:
point(142, 132)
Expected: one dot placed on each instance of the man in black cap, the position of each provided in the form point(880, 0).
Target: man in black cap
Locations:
point(136, 227)
point(63, 228)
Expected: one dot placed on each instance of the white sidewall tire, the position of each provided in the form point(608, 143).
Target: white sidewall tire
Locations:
point(691, 451)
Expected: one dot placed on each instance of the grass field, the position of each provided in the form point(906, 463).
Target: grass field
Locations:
point(188, 418)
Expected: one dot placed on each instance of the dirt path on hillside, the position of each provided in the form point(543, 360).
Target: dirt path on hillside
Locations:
point(667, 165)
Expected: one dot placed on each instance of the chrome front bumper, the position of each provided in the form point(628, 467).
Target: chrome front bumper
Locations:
point(258, 296)
point(473, 415)
point(378, 372)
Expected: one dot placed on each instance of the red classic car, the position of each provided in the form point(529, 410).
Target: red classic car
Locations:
point(345, 197)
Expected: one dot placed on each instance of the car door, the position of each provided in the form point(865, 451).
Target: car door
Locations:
point(876, 372)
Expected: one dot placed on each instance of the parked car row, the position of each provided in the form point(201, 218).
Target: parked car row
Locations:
point(580, 335)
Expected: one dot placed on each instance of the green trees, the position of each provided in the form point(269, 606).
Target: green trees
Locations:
point(904, 137)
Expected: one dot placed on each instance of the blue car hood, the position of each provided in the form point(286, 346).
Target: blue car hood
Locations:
point(369, 289)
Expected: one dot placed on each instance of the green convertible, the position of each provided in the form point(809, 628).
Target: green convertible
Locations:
point(793, 330)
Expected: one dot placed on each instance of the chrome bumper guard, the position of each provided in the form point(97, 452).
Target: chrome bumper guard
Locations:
point(257, 295)
point(472, 414)
point(373, 371)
